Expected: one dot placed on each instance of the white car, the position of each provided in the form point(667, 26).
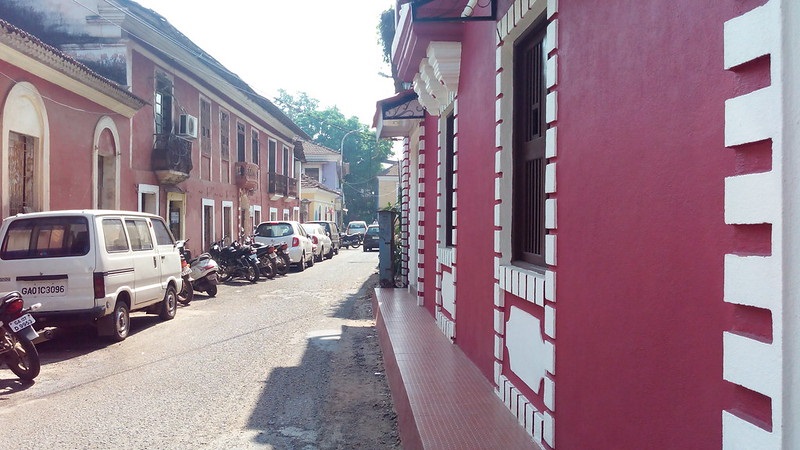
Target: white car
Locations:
point(290, 232)
point(323, 245)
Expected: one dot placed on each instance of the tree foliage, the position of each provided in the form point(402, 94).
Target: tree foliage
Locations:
point(362, 151)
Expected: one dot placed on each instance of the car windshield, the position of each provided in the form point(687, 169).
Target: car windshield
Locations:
point(274, 230)
point(373, 230)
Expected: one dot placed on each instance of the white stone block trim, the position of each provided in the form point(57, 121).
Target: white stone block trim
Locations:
point(531, 286)
point(752, 364)
point(755, 199)
point(752, 117)
point(421, 215)
point(529, 417)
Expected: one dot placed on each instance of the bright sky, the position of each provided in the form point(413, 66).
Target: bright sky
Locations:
point(328, 49)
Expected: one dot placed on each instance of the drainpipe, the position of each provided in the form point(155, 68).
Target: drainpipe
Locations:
point(469, 9)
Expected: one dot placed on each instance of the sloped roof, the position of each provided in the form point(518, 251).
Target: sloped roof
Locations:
point(307, 182)
point(391, 171)
point(153, 20)
point(312, 150)
point(34, 48)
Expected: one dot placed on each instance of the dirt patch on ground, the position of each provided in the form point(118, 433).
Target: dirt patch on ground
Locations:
point(359, 412)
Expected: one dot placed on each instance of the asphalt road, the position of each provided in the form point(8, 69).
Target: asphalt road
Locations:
point(247, 369)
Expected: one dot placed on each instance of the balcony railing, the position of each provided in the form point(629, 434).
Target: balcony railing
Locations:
point(282, 186)
point(277, 185)
point(246, 175)
point(171, 158)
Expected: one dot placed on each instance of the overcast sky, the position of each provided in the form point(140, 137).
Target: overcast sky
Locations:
point(326, 48)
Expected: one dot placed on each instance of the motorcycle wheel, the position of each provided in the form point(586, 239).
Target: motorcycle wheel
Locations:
point(186, 294)
point(212, 290)
point(224, 273)
point(267, 269)
point(23, 359)
point(283, 268)
point(356, 244)
point(252, 273)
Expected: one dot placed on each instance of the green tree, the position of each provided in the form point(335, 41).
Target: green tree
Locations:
point(363, 153)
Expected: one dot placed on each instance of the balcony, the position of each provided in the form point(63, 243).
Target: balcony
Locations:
point(282, 186)
point(171, 158)
point(277, 186)
point(246, 175)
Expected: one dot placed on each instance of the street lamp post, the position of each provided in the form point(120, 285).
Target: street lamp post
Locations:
point(341, 157)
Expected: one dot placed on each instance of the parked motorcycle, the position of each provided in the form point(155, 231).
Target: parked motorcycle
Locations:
point(351, 240)
point(282, 260)
point(16, 336)
point(265, 254)
point(235, 261)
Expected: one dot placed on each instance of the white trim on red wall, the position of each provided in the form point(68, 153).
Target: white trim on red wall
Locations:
point(530, 344)
point(756, 199)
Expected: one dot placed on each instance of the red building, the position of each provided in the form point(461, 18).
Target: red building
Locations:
point(599, 200)
point(65, 129)
point(207, 153)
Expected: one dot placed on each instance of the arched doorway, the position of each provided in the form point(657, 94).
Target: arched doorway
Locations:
point(106, 144)
point(26, 150)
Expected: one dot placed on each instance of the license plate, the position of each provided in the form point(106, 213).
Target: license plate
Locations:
point(273, 256)
point(22, 322)
point(49, 288)
point(186, 271)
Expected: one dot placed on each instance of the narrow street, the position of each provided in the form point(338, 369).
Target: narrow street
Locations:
point(286, 363)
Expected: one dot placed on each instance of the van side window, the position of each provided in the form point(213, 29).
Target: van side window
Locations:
point(139, 233)
point(114, 236)
point(163, 236)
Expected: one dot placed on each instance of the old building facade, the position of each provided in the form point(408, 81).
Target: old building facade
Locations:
point(598, 207)
point(207, 153)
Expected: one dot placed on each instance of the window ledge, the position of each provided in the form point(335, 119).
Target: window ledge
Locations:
point(527, 283)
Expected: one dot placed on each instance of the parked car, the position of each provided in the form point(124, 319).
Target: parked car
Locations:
point(320, 239)
point(290, 232)
point(372, 238)
point(91, 266)
point(356, 227)
point(332, 231)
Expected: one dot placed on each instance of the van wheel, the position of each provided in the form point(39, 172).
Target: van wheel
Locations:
point(120, 321)
point(169, 305)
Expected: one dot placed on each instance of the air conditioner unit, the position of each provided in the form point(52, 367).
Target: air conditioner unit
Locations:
point(187, 126)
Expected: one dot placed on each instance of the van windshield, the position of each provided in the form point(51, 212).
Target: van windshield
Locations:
point(46, 237)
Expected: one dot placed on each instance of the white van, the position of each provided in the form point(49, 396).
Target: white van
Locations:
point(91, 266)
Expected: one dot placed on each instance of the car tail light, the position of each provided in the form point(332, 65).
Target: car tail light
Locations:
point(99, 282)
point(295, 242)
point(314, 238)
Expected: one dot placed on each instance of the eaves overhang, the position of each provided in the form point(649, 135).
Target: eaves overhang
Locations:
point(396, 116)
point(29, 53)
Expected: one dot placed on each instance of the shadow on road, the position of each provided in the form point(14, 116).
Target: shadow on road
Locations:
point(337, 397)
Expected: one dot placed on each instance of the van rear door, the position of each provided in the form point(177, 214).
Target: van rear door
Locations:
point(49, 260)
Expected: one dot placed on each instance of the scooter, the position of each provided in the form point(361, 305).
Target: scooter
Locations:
point(203, 270)
point(186, 294)
point(17, 335)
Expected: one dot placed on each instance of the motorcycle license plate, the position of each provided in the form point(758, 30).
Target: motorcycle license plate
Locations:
point(22, 322)
point(273, 256)
point(186, 271)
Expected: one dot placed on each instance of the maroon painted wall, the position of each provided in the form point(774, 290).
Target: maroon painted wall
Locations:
point(475, 190)
point(641, 233)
